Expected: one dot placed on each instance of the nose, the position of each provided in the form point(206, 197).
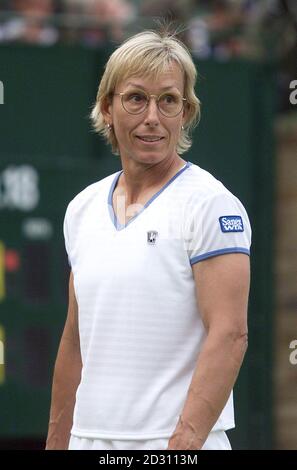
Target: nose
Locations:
point(152, 113)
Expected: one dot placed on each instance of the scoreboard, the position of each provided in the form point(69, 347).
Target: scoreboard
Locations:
point(34, 274)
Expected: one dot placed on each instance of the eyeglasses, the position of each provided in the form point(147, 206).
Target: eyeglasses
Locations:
point(136, 102)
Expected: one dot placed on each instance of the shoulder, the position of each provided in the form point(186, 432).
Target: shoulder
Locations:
point(87, 195)
point(215, 208)
point(208, 199)
point(202, 186)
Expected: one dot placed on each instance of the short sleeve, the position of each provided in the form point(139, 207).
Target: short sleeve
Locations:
point(66, 234)
point(219, 225)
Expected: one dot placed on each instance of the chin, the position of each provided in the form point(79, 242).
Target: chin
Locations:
point(150, 158)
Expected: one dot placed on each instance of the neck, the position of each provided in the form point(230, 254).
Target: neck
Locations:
point(138, 178)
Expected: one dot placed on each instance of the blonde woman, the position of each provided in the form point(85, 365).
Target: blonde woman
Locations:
point(156, 329)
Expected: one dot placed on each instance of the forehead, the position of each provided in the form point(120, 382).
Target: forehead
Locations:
point(172, 77)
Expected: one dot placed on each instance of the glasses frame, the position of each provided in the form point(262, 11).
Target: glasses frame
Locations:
point(157, 97)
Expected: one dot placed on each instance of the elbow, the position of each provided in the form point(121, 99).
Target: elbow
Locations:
point(234, 341)
point(239, 344)
point(241, 337)
point(243, 341)
point(238, 337)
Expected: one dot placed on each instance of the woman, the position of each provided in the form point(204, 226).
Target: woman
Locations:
point(156, 328)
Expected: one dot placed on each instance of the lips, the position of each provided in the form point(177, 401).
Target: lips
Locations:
point(150, 138)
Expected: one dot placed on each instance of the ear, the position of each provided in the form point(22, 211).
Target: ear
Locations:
point(185, 114)
point(106, 109)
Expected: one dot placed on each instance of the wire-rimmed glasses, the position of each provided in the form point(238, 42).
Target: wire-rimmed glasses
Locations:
point(170, 104)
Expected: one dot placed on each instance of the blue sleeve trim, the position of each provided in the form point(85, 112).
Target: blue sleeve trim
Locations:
point(224, 251)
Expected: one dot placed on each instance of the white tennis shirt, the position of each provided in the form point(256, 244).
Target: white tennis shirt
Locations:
point(140, 327)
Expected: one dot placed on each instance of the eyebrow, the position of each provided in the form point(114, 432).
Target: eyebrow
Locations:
point(143, 88)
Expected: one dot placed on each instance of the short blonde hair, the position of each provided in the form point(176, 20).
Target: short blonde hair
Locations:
point(148, 54)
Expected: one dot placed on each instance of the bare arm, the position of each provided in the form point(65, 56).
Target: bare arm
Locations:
point(66, 379)
point(222, 285)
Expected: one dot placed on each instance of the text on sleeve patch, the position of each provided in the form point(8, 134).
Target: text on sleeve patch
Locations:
point(231, 223)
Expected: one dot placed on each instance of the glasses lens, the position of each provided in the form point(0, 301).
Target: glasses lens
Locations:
point(134, 102)
point(170, 104)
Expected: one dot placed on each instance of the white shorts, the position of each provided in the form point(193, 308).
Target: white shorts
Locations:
point(217, 440)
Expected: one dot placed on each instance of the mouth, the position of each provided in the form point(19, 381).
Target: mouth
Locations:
point(150, 139)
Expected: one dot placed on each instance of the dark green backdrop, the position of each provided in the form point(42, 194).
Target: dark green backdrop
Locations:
point(48, 153)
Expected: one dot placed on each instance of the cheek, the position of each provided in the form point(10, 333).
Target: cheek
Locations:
point(124, 129)
point(175, 130)
point(124, 125)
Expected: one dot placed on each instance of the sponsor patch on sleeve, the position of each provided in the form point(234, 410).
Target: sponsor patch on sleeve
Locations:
point(231, 223)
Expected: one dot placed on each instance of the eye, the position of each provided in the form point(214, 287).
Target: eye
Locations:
point(136, 97)
point(169, 98)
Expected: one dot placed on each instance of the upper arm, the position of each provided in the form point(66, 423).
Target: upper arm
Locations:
point(71, 330)
point(222, 288)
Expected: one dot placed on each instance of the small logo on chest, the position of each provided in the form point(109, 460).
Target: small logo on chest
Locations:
point(151, 237)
